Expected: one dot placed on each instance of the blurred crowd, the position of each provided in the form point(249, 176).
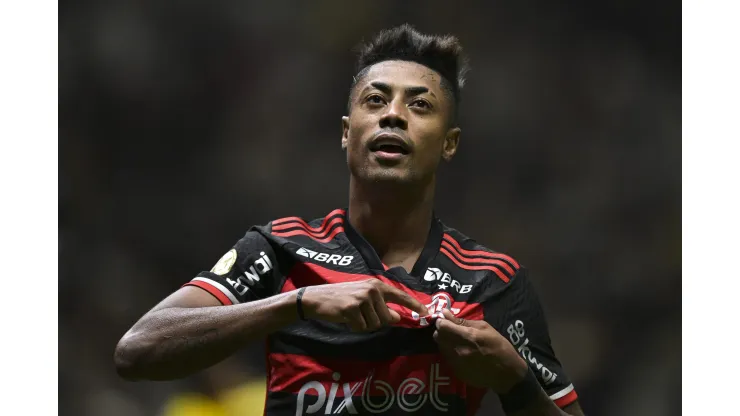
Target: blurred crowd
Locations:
point(182, 124)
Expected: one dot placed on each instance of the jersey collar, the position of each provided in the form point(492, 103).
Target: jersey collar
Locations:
point(368, 253)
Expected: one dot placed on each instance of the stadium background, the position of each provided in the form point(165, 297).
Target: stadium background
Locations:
point(182, 125)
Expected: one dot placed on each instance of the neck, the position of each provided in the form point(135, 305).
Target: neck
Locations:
point(394, 219)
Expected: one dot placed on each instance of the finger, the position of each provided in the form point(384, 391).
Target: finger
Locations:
point(394, 316)
point(371, 318)
point(447, 314)
point(397, 296)
point(471, 323)
point(386, 315)
point(449, 350)
point(453, 334)
point(355, 321)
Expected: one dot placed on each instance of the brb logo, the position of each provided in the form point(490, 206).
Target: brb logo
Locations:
point(440, 302)
point(325, 258)
point(435, 274)
point(377, 396)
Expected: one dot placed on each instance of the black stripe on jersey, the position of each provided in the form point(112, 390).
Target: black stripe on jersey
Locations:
point(325, 339)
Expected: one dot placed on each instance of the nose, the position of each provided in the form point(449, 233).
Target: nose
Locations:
point(394, 116)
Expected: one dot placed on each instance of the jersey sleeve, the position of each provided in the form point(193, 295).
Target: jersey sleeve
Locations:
point(516, 313)
point(245, 273)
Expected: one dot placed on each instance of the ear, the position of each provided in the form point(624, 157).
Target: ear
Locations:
point(452, 140)
point(345, 132)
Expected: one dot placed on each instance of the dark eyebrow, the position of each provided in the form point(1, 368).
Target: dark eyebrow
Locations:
point(385, 88)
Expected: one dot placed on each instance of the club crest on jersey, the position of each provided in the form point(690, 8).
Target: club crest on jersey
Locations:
point(445, 280)
point(325, 258)
point(440, 302)
point(225, 263)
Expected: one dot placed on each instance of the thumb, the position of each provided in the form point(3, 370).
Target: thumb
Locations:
point(447, 314)
point(466, 323)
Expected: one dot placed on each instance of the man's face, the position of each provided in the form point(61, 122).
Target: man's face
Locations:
point(398, 128)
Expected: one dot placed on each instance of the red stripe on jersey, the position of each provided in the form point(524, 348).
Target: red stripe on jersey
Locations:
point(309, 274)
point(281, 229)
point(460, 257)
point(496, 270)
point(289, 373)
point(300, 220)
point(212, 290)
point(326, 239)
point(461, 250)
point(325, 227)
point(566, 400)
point(288, 286)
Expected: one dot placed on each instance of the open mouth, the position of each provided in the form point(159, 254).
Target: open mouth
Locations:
point(389, 145)
point(390, 149)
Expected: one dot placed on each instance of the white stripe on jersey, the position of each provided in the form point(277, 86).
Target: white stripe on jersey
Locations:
point(220, 287)
point(562, 393)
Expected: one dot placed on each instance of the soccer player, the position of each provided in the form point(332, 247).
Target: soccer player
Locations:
point(379, 308)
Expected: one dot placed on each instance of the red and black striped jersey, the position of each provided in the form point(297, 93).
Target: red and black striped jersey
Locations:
point(317, 367)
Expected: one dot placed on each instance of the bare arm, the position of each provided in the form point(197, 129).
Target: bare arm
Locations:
point(190, 330)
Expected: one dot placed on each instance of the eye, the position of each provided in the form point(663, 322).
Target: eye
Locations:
point(375, 99)
point(421, 104)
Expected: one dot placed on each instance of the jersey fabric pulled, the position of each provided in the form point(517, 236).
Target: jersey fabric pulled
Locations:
point(317, 367)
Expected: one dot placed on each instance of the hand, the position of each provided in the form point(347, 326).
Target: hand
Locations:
point(361, 305)
point(479, 355)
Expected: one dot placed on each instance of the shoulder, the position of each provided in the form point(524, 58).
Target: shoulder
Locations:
point(469, 255)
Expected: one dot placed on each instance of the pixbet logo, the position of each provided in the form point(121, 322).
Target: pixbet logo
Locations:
point(440, 302)
point(325, 258)
point(434, 273)
point(260, 267)
point(370, 400)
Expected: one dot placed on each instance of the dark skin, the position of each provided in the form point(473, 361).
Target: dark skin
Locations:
point(391, 204)
point(477, 351)
point(391, 200)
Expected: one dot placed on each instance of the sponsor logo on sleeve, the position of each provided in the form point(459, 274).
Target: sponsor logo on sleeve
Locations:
point(517, 336)
point(252, 274)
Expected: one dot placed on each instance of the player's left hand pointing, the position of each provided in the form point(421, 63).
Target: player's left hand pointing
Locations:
point(479, 355)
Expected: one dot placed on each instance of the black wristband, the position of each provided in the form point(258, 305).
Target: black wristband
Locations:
point(522, 394)
point(298, 303)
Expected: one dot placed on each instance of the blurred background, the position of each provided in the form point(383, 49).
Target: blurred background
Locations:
point(182, 124)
